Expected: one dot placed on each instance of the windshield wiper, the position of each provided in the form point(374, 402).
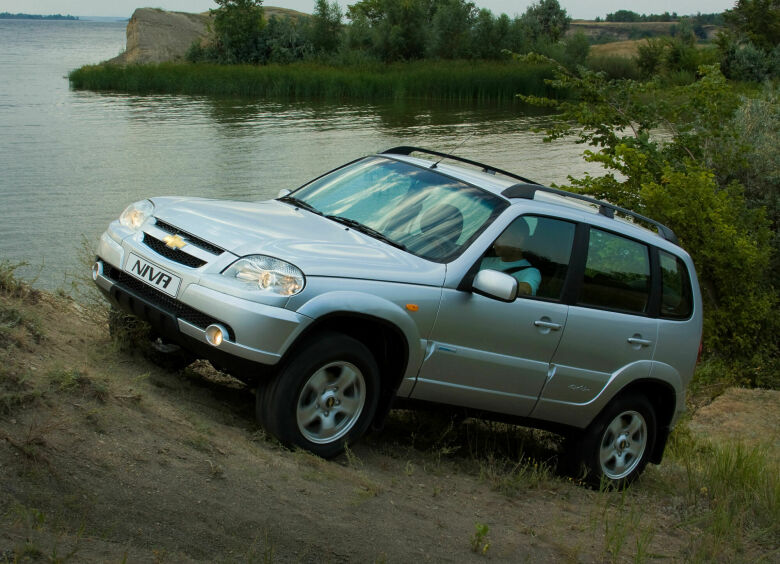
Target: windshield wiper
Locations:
point(300, 204)
point(370, 231)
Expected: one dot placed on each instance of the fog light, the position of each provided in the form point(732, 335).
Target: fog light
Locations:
point(215, 334)
point(97, 270)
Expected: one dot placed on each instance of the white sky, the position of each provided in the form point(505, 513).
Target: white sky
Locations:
point(576, 8)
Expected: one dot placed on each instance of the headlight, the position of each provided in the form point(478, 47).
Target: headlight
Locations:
point(135, 214)
point(268, 274)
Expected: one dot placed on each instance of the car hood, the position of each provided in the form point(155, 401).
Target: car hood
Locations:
point(316, 245)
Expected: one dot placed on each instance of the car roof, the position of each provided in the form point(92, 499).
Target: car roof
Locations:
point(505, 185)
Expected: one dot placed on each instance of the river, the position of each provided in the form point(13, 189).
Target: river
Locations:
point(70, 161)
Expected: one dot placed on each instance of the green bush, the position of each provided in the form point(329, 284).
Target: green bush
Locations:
point(576, 49)
point(749, 63)
point(614, 67)
point(650, 56)
point(692, 180)
point(719, 230)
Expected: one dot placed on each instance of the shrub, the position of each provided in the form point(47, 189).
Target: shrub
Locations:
point(749, 63)
point(576, 49)
point(614, 67)
point(670, 179)
point(650, 56)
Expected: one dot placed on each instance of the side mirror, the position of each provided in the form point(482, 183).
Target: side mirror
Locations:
point(283, 192)
point(495, 284)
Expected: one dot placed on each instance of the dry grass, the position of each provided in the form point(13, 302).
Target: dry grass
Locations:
point(110, 458)
point(626, 49)
point(655, 27)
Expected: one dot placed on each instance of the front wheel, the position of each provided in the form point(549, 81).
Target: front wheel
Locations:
point(324, 397)
point(616, 447)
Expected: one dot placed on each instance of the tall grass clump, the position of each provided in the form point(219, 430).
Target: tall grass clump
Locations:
point(441, 80)
point(9, 283)
point(731, 495)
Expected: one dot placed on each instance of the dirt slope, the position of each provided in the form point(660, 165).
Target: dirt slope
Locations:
point(107, 458)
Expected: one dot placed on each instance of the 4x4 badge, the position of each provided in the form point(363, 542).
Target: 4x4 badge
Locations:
point(174, 242)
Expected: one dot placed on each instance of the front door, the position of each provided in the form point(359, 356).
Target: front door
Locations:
point(487, 354)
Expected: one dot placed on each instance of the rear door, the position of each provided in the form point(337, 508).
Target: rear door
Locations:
point(609, 328)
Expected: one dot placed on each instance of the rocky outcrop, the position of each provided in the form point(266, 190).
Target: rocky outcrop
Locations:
point(157, 36)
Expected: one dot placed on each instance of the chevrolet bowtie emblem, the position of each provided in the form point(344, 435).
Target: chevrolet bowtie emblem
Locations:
point(174, 242)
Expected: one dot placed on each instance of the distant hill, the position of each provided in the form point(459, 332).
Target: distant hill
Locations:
point(270, 11)
point(624, 31)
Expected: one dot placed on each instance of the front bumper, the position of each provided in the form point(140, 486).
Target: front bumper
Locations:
point(257, 333)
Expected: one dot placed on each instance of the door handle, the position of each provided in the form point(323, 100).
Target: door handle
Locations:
point(638, 341)
point(547, 325)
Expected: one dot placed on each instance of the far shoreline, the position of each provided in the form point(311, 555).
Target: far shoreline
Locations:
point(23, 16)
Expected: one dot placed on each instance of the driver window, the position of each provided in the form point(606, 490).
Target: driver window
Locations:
point(535, 250)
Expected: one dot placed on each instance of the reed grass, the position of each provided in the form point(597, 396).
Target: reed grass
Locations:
point(442, 80)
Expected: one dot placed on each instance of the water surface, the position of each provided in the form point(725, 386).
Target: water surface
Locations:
point(70, 161)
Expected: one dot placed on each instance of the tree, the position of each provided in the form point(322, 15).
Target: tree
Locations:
point(326, 27)
point(749, 48)
point(575, 50)
point(546, 20)
point(285, 40)
point(490, 35)
point(398, 29)
point(756, 20)
point(237, 28)
point(451, 29)
point(624, 16)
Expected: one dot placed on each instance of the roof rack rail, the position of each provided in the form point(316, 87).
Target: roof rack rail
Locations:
point(404, 150)
point(528, 191)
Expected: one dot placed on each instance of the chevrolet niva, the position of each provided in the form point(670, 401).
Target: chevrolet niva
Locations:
point(407, 278)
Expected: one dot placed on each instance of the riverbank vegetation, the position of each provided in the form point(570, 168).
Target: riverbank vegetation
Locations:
point(446, 80)
point(714, 178)
point(381, 36)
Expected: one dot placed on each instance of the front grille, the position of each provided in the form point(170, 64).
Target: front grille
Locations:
point(192, 239)
point(166, 303)
point(175, 255)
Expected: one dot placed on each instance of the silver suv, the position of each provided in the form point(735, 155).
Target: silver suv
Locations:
point(397, 277)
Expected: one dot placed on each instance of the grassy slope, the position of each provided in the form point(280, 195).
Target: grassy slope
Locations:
point(105, 457)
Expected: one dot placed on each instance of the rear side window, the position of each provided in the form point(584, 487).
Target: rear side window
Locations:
point(617, 273)
point(676, 297)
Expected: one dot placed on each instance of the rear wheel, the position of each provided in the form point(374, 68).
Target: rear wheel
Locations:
point(616, 447)
point(324, 397)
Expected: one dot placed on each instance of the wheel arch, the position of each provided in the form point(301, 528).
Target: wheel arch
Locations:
point(385, 340)
point(663, 397)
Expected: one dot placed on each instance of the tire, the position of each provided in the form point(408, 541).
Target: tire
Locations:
point(616, 446)
point(322, 399)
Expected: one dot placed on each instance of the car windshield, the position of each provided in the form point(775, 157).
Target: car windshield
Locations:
point(424, 212)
